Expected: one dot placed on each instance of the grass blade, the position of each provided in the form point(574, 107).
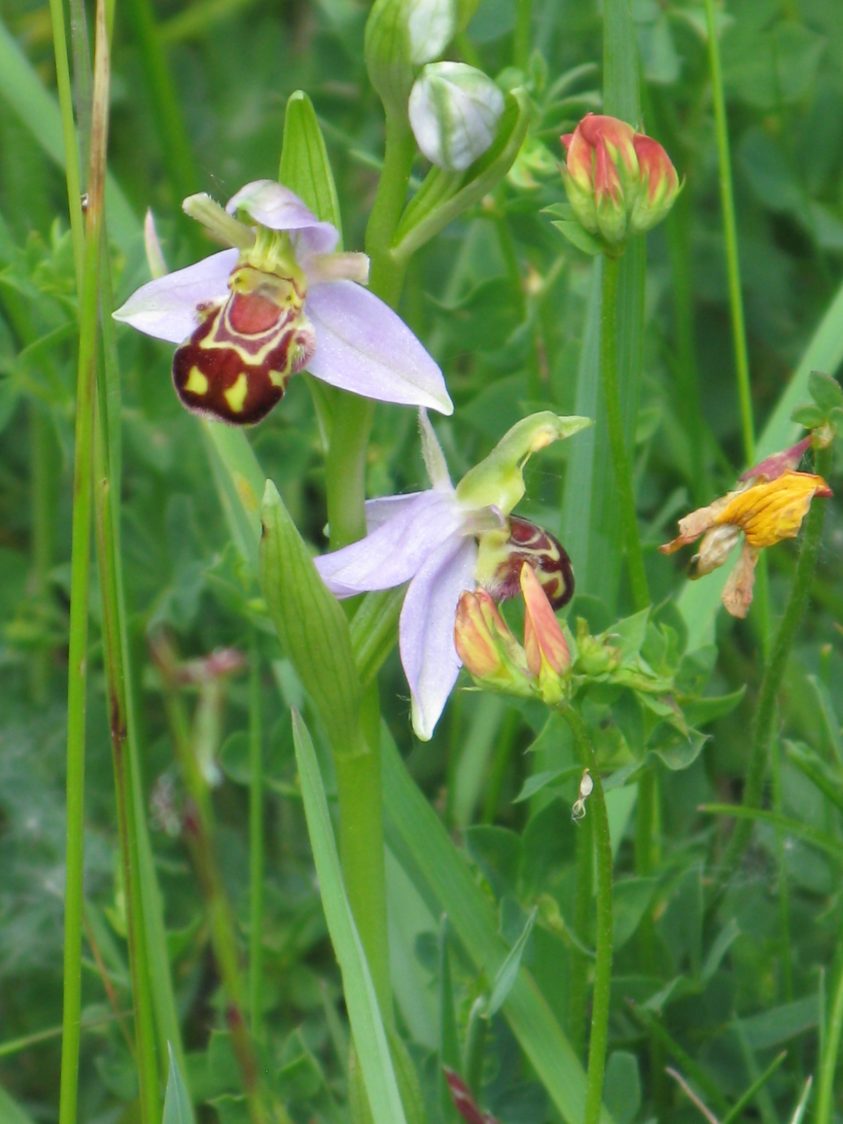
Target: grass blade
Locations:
point(370, 1038)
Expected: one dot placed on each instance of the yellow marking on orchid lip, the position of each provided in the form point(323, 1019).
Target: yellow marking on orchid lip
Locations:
point(235, 396)
point(196, 383)
point(277, 378)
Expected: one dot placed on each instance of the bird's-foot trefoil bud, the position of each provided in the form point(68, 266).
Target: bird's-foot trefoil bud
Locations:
point(768, 506)
point(279, 301)
point(618, 182)
point(495, 659)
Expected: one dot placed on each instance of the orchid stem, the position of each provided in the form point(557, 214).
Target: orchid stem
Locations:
point(774, 672)
point(614, 420)
point(359, 786)
point(598, 1040)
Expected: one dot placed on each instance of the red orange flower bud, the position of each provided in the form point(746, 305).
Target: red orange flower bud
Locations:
point(618, 182)
point(545, 647)
point(486, 645)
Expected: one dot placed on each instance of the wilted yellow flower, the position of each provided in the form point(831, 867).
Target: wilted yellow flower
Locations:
point(767, 507)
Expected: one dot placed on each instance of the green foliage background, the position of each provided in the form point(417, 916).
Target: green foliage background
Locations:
point(718, 979)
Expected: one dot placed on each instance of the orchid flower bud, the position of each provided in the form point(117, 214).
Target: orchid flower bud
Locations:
point(454, 113)
point(548, 656)
point(402, 35)
point(487, 647)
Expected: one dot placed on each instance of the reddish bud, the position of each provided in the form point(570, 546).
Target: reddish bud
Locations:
point(618, 182)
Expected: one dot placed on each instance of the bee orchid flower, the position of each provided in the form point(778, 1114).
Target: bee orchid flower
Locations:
point(280, 300)
point(449, 539)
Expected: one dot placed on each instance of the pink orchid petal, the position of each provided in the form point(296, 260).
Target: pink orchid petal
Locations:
point(364, 347)
point(392, 553)
point(166, 308)
point(378, 511)
point(426, 629)
point(278, 208)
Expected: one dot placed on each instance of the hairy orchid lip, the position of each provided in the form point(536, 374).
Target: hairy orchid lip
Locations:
point(504, 552)
point(236, 365)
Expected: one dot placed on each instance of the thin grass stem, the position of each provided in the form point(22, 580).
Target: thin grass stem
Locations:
point(80, 585)
point(599, 1037)
point(829, 1068)
point(72, 174)
point(730, 238)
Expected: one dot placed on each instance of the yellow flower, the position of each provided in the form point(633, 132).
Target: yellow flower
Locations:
point(774, 510)
point(767, 507)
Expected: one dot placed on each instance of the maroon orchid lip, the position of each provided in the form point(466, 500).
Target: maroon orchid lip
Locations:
point(543, 552)
point(236, 365)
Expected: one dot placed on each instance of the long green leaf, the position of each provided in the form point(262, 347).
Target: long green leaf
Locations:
point(370, 1038)
point(312, 627)
point(177, 1106)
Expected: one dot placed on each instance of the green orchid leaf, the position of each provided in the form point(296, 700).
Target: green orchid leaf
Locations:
point(304, 166)
point(311, 626)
